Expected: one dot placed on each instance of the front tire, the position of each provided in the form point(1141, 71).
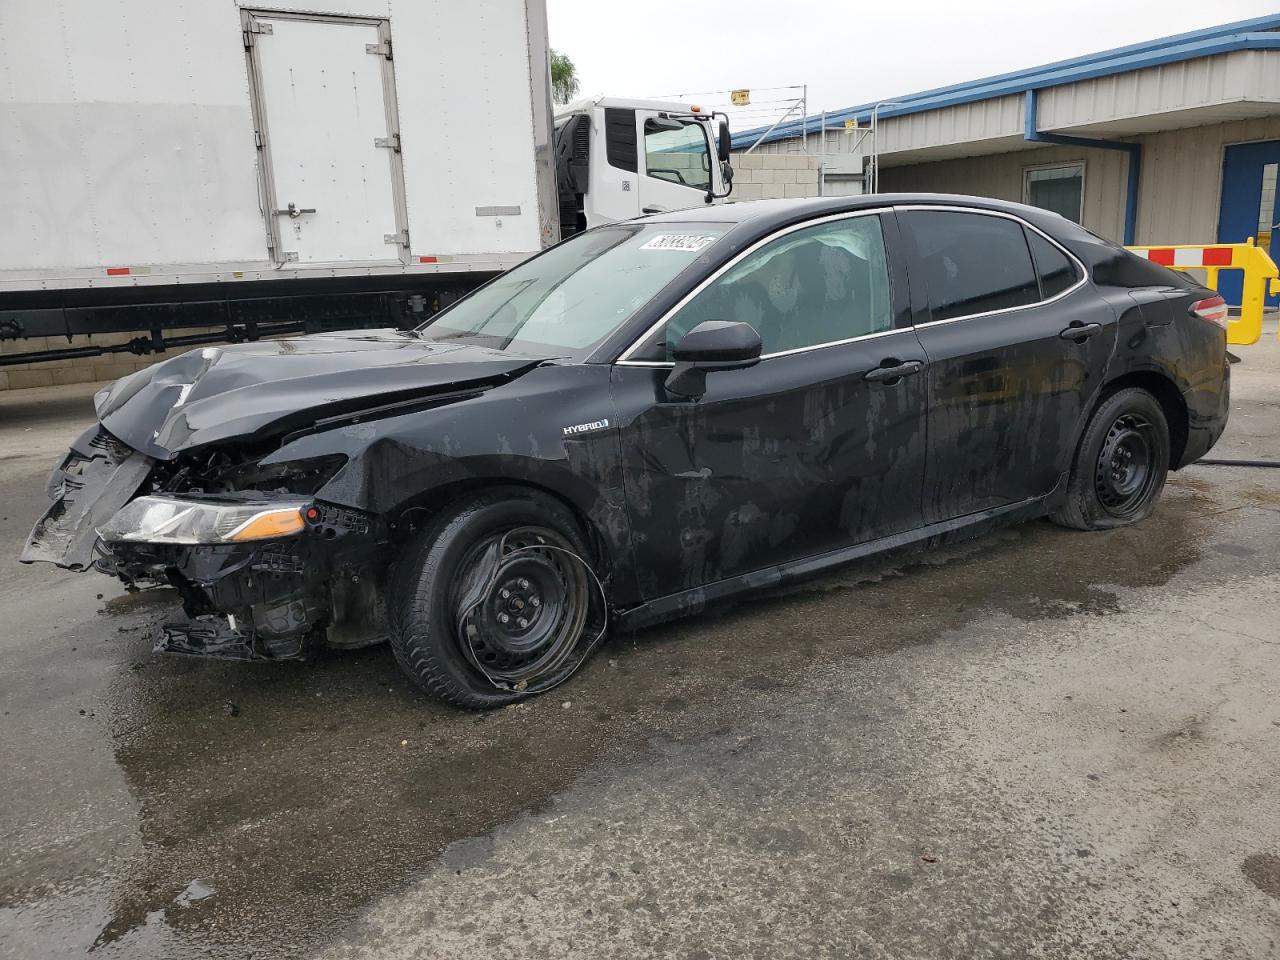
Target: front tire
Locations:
point(495, 600)
point(1120, 465)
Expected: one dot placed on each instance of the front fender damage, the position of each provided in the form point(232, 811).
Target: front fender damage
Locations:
point(97, 477)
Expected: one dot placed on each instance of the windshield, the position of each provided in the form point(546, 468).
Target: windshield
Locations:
point(573, 296)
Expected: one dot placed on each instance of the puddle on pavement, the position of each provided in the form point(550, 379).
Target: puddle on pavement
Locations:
point(1263, 871)
point(290, 789)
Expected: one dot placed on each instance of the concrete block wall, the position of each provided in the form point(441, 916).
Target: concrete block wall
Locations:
point(109, 366)
point(766, 176)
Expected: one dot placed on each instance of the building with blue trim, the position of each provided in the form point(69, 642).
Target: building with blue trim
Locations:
point(1175, 140)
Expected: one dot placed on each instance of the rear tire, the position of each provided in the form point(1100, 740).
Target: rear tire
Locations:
point(1120, 465)
point(448, 628)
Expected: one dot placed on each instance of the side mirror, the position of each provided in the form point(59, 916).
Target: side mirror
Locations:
point(722, 141)
point(711, 345)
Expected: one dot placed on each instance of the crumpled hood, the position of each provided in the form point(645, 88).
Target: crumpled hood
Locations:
point(218, 393)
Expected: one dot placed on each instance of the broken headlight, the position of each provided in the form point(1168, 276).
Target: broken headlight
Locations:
point(170, 520)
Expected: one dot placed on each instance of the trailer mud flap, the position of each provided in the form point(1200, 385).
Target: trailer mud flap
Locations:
point(98, 477)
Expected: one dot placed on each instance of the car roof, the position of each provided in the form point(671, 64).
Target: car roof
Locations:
point(766, 215)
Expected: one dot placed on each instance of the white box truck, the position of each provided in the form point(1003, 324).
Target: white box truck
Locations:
point(254, 170)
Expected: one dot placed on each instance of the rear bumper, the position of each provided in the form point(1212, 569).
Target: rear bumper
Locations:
point(1208, 407)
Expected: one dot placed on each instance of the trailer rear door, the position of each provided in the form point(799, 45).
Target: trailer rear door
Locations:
point(324, 104)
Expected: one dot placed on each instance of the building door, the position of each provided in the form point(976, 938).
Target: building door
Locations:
point(324, 105)
point(1248, 206)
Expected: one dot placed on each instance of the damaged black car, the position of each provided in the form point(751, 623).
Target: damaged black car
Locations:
point(641, 421)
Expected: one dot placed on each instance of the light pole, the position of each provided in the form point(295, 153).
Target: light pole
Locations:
point(875, 142)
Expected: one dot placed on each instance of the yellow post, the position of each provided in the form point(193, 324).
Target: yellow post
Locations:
point(1260, 274)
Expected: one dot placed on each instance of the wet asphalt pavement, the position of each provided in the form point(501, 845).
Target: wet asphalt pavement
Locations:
point(1036, 743)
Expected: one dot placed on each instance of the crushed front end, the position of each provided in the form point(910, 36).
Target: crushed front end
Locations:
point(264, 569)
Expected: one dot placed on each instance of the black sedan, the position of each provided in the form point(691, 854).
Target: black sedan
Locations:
point(646, 419)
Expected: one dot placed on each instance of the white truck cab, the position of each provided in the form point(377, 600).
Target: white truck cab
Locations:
point(617, 159)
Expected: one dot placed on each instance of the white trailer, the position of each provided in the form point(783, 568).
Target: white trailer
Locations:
point(251, 167)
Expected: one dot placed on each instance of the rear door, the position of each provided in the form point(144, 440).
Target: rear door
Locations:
point(1017, 344)
point(324, 105)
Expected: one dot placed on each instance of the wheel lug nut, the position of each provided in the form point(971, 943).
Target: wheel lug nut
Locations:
point(524, 584)
point(523, 623)
point(503, 618)
point(506, 594)
point(537, 602)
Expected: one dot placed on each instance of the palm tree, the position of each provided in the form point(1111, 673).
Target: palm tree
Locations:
point(564, 82)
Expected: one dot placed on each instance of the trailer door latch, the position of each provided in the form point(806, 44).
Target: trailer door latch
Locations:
point(402, 238)
point(294, 211)
point(392, 142)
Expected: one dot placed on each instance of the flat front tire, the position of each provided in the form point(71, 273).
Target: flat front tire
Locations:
point(1120, 465)
point(495, 600)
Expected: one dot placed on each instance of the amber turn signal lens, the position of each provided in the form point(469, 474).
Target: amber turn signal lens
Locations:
point(272, 523)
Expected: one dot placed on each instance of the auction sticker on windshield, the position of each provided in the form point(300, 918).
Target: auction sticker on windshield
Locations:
point(684, 242)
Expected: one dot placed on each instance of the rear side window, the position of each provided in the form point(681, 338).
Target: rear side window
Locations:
point(1056, 271)
point(972, 263)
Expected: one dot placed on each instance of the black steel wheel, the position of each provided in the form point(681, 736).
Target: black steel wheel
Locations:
point(521, 601)
point(496, 600)
point(1125, 472)
point(1120, 465)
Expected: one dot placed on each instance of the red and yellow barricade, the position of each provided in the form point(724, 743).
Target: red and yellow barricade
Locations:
point(1260, 276)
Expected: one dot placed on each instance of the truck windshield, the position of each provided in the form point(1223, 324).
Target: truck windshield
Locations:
point(574, 295)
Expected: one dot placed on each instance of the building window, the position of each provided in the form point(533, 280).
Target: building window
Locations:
point(1060, 189)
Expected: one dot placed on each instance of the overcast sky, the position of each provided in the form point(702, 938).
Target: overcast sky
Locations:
point(847, 51)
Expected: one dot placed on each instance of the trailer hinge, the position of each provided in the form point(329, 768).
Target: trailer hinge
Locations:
point(257, 139)
point(255, 26)
point(379, 49)
point(401, 238)
point(291, 256)
point(392, 142)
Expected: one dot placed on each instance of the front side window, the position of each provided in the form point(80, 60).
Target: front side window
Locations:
point(971, 262)
point(1060, 189)
point(676, 151)
point(817, 285)
point(569, 299)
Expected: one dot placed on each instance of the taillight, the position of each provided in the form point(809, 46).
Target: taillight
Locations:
point(1213, 309)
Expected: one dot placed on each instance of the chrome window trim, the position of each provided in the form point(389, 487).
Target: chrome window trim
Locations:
point(1080, 267)
point(724, 268)
point(1082, 272)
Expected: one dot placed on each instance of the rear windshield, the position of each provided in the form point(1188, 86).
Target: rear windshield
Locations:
point(572, 297)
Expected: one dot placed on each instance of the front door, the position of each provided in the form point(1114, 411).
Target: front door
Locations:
point(676, 162)
point(813, 449)
point(324, 108)
point(1017, 348)
point(1248, 208)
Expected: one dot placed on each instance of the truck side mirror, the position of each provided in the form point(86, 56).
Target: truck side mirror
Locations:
point(711, 345)
point(723, 140)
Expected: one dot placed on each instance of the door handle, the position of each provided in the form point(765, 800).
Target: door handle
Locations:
point(294, 211)
point(653, 209)
point(891, 372)
point(1080, 332)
